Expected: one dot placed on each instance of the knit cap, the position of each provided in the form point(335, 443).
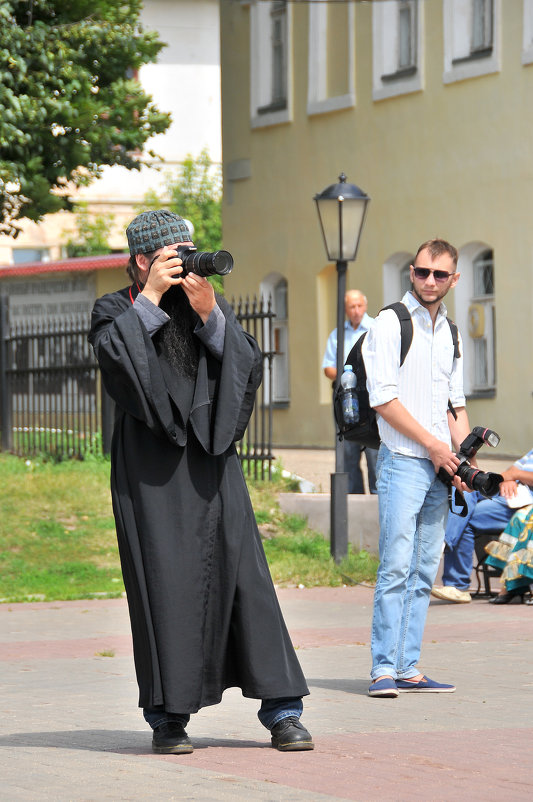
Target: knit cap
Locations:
point(152, 230)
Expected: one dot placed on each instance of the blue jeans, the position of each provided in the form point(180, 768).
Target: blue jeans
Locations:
point(352, 466)
point(413, 504)
point(271, 712)
point(484, 514)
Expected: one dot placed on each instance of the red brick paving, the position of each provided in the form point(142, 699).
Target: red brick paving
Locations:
point(491, 764)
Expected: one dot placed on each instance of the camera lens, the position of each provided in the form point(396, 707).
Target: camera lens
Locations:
point(488, 484)
point(205, 264)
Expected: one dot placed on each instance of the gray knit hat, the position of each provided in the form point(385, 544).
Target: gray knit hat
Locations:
point(152, 230)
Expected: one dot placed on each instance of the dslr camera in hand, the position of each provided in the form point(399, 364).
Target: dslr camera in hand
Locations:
point(488, 484)
point(203, 263)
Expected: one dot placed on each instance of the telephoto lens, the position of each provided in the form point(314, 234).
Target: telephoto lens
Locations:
point(487, 483)
point(206, 264)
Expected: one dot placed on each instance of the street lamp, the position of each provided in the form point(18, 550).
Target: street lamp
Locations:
point(341, 211)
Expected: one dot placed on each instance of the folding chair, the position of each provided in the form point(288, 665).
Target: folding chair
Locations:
point(483, 571)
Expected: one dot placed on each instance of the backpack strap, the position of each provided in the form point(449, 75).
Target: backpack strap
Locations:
point(406, 328)
point(455, 338)
point(456, 355)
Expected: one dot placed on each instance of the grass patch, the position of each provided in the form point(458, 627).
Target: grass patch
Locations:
point(298, 555)
point(57, 533)
point(58, 542)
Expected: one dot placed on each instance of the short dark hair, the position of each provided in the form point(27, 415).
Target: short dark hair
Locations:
point(437, 247)
point(133, 268)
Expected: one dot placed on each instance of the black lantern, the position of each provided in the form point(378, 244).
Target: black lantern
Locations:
point(341, 211)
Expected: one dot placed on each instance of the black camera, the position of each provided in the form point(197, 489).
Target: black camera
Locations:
point(203, 263)
point(487, 483)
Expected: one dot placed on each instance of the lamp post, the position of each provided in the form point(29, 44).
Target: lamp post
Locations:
point(341, 211)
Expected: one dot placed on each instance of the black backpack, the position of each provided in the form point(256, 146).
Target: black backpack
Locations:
point(365, 431)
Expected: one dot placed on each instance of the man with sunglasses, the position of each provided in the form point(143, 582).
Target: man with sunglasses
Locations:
point(417, 433)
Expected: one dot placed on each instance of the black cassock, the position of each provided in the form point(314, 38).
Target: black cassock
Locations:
point(203, 609)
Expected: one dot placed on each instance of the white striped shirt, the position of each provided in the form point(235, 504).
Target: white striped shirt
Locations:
point(427, 379)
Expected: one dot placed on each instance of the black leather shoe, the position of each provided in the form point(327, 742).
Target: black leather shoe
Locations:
point(506, 598)
point(288, 735)
point(171, 739)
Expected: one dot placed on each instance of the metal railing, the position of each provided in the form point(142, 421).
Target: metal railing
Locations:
point(49, 380)
point(52, 401)
point(255, 449)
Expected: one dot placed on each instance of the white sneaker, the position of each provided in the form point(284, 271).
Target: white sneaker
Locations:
point(449, 593)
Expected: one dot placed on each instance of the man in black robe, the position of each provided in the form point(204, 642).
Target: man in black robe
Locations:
point(204, 613)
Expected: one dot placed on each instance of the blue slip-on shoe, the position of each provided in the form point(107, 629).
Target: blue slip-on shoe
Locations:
point(425, 685)
point(385, 688)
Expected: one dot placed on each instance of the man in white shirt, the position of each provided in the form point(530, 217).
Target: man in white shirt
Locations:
point(417, 433)
point(356, 323)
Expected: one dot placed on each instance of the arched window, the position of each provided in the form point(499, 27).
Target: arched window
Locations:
point(475, 313)
point(405, 278)
point(481, 326)
point(396, 277)
point(275, 288)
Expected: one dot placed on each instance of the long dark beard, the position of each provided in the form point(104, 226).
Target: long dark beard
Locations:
point(176, 337)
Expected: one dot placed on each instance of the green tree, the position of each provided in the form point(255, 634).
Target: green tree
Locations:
point(69, 101)
point(92, 233)
point(196, 194)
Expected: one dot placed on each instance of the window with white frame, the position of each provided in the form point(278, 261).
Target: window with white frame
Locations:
point(270, 53)
point(331, 73)
point(527, 37)
point(481, 35)
point(405, 278)
point(407, 39)
point(398, 43)
point(22, 255)
point(396, 276)
point(481, 322)
point(475, 314)
point(274, 288)
point(471, 38)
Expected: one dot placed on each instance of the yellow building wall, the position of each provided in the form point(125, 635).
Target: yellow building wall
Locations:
point(110, 280)
point(452, 160)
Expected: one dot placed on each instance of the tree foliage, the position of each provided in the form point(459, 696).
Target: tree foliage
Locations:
point(91, 235)
point(69, 101)
point(196, 194)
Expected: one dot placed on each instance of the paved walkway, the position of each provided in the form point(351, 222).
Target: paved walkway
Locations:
point(316, 465)
point(71, 731)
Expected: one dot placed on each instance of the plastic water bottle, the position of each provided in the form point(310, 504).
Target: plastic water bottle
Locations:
point(350, 402)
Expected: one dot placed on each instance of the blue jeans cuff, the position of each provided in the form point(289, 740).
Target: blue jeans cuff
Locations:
point(157, 717)
point(281, 716)
point(383, 672)
point(273, 711)
point(412, 672)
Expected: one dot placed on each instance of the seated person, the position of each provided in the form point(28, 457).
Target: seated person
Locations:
point(512, 553)
point(484, 514)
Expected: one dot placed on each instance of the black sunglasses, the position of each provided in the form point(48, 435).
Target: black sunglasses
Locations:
point(438, 275)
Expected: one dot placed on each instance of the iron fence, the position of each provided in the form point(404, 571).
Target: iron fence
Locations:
point(255, 449)
point(52, 400)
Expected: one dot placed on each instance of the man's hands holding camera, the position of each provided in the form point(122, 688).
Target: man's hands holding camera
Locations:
point(164, 273)
point(442, 457)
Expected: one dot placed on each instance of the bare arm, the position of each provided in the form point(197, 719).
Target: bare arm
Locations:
point(511, 476)
point(397, 416)
point(459, 428)
point(330, 373)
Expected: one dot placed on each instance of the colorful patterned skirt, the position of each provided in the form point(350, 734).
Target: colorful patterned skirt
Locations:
point(512, 553)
